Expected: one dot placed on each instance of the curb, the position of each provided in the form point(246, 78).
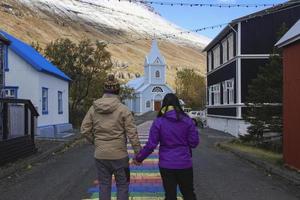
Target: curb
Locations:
point(290, 176)
point(18, 167)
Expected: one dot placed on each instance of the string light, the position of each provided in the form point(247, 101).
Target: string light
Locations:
point(261, 14)
point(219, 5)
point(166, 36)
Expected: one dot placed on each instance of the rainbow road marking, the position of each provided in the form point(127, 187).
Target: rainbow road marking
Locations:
point(145, 180)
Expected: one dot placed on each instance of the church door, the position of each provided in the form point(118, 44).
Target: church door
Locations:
point(157, 105)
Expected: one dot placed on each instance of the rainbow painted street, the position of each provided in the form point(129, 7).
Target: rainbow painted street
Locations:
point(145, 180)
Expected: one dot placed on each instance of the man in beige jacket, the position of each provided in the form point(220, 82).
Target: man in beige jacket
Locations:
point(107, 125)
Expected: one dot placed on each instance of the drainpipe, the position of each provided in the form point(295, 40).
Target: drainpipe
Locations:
point(238, 71)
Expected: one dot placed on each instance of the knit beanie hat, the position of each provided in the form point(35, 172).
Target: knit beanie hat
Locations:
point(111, 85)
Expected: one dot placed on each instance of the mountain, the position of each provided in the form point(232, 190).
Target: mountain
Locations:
point(112, 21)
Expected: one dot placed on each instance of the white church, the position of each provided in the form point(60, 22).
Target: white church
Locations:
point(151, 88)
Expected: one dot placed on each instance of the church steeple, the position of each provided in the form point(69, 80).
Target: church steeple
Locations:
point(155, 67)
point(154, 57)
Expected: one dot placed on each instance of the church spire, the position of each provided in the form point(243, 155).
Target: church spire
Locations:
point(155, 57)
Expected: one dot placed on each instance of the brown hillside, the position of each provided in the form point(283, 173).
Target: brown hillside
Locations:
point(44, 27)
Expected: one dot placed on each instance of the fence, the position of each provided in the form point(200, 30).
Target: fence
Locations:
point(18, 126)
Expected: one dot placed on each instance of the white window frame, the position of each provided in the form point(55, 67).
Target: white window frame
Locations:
point(148, 104)
point(230, 46)
point(209, 57)
point(228, 92)
point(217, 56)
point(225, 93)
point(45, 101)
point(217, 94)
point(209, 95)
point(11, 92)
point(224, 50)
point(157, 89)
point(60, 102)
point(157, 74)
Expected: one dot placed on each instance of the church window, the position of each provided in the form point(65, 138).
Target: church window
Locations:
point(157, 61)
point(157, 74)
point(157, 89)
point(148, 104)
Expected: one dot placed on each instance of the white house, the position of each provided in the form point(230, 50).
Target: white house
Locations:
point(151, 88)
point(29, 75)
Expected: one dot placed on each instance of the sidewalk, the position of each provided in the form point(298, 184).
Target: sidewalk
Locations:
point(45, 149)
point(280, 171)
point(145, 180)
point(48, 147)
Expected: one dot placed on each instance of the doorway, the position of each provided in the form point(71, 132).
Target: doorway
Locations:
point(157, 105)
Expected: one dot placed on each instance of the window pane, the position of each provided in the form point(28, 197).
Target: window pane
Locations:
point(231, 96)
point(224, 46)
point(225, 93)
point(216, 52)
point(45, 100)
point(209, 61)
point(157, 89)
point(216, 94)
point(230, 46)
point(60, 103)
point(157, 74)
point(148, 104)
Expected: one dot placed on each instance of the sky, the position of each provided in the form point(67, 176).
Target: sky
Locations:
point(198, 17)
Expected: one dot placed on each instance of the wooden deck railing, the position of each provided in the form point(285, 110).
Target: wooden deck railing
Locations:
point(17, 131)
point(6, 116)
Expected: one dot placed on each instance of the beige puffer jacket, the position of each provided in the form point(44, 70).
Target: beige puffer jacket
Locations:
point(107, 124)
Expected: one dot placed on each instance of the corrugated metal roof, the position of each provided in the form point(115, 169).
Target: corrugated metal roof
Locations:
point(34, 58)
point(291, 36)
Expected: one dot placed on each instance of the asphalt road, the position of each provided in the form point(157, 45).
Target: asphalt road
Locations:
point(219, 175)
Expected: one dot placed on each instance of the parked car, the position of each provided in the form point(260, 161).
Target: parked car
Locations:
point(187, 110)
point(199, 117)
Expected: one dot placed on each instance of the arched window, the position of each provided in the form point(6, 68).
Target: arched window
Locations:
point(157, 89)
point(157, 74)
point(148, 104)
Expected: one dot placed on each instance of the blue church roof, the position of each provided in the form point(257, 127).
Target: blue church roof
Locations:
point(34, 58)
point(136, 83)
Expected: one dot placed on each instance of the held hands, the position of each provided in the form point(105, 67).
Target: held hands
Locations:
point(135, 162)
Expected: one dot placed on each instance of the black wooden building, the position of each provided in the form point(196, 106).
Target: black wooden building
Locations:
point(233, 60)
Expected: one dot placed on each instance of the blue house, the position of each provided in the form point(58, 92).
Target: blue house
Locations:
point(28, 75)
point(150, 89)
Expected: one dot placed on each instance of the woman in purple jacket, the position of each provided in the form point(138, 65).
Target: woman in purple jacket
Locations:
point(177, 135)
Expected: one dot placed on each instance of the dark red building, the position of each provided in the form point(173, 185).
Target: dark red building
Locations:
point(290, 43)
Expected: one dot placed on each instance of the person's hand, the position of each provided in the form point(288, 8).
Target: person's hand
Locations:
point(135, 162)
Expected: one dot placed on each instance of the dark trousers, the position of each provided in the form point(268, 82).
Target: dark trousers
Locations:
point(178, 177)
point(120, 170)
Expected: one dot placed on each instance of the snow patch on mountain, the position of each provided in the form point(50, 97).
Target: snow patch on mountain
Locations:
point(134, 17)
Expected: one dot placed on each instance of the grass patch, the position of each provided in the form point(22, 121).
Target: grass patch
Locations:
point(266, 155)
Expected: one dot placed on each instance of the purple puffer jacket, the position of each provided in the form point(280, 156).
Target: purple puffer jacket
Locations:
point(176, 138)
